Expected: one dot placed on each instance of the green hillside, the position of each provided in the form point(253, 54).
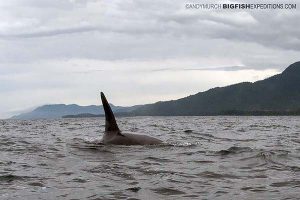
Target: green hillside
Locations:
point(277, 94)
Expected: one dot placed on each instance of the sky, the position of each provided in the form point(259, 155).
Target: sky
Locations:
point(135, 51)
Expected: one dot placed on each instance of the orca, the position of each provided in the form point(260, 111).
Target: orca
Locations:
point(113, 135)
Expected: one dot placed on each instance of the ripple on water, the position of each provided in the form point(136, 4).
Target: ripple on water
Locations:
point(134, 189)
point(289, 183)
point(234, 150)
point(168, 191)
point(9, 178)
point(36, 184)
point(161, 160)
point(213, 175)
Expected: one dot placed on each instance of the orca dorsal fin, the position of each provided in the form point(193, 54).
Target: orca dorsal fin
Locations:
point(110, 121)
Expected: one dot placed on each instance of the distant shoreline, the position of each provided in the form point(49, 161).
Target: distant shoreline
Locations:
point(225, 113)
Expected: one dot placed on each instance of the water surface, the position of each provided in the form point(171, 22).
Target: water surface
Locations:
point(204, 158)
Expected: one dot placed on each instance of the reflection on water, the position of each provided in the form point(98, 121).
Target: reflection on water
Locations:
point(203, 158)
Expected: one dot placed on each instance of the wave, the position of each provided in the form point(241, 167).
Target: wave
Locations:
point(234, 150)
point(11, 177)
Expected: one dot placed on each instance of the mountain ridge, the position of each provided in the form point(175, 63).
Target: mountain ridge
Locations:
point(278, 93)
point(53, 111)
point(275, 95)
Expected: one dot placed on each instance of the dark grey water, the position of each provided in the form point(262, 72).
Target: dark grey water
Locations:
point(209, 158)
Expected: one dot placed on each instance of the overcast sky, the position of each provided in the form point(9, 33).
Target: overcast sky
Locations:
point(136, 52)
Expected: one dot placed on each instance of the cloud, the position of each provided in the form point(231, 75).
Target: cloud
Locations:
point(50, 33)
point(65, 51)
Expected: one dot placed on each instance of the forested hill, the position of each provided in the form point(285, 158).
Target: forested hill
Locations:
point(277, 94)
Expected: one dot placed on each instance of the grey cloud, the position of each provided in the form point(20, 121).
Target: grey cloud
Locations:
point(50, 33)
point(227, 68)
point(36, 36)
point(57, 4)
point(169, 18)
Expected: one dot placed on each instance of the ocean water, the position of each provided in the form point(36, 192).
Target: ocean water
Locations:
point(203, 158)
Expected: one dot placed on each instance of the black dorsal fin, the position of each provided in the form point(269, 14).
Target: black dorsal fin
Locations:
point(110, 121)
